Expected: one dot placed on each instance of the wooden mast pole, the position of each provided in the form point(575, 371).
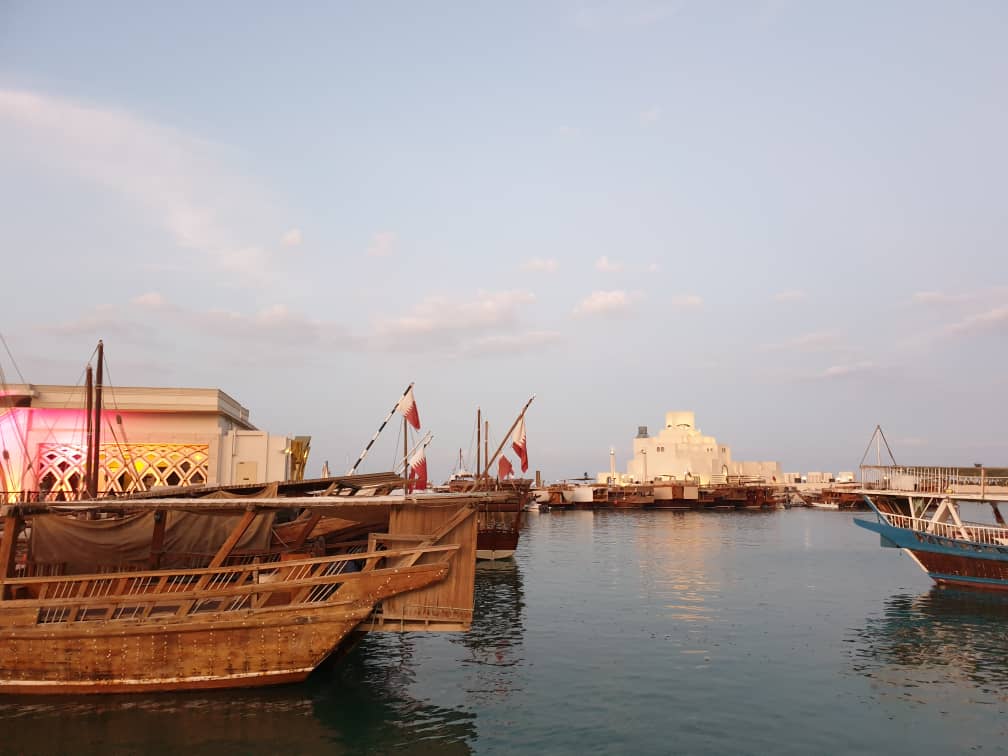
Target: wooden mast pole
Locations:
point(478, 415)
point(506, 437)
point(405, 455)
point(86, 491)
point(96, 428)
point(486, 447)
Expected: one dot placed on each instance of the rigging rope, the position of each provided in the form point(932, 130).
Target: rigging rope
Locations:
point(127, 456)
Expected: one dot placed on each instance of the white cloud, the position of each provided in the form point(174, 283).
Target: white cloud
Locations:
point(442, 322)
point(605, 265)
point(686, 301)
point(937, 298)
point(292, 238)
point(790, 295)
point(650, 116)
point(979, 322)
point(604, 303)
point(178, 182)
point(104, 321)
point(844, 371)
point(152, 299)
point(382, 244)
point(539, 265)
point(276, 326)
point(816, 341)
point(512, 343)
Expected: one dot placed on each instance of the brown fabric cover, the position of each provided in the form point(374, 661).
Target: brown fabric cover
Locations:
point(99, 545)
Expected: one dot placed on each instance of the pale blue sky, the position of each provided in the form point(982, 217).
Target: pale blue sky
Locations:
point(788, 217)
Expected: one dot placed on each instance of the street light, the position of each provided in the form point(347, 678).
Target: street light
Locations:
point(983, 479)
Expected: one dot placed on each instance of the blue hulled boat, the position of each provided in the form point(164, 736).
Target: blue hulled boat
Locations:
point(918, 510)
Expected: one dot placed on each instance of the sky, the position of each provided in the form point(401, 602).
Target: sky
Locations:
point(788, 217)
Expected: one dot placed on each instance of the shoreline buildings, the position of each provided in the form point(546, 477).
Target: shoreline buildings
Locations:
point(149, 437)
point(680, 451)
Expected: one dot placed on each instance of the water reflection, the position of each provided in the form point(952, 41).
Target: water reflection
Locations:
point(940, 637)
point(361, 704)
point(676, 552)
point(495, 641)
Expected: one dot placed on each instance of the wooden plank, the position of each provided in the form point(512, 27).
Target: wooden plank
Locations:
point(313, 520)
point(8, 548)
point(328, 505)
point(232, 591)
point(198, 571)
point(445, 525)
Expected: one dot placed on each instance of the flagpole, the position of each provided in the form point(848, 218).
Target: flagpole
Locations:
point(507, 435)
point(422, 444)
point(377, 433)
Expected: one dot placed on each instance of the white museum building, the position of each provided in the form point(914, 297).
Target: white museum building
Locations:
point(680, 451)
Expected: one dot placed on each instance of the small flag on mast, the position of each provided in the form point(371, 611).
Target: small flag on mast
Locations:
point(504, 468)
point(520, 444)
point(408, 409)
point(418, 471)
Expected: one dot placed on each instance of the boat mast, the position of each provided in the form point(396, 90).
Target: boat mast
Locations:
point(377, 433)
point(85, 491)
point(96, 427)
point(478, 416)
point(507, 435)
point(486, 446)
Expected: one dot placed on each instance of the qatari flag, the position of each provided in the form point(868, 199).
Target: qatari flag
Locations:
point(520, 444)
point(408, 409)
point(504, 468)
point(418, 471)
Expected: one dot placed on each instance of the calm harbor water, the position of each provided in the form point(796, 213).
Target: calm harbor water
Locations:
point(611, 632)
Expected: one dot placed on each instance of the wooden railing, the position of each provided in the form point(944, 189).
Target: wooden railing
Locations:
point(973, 532)
point(179, 593)
point(971, 481)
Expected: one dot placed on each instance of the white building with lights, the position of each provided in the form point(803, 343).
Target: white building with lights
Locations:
point(149, 437)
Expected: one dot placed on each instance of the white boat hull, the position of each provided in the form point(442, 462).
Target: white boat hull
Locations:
point(493, 555)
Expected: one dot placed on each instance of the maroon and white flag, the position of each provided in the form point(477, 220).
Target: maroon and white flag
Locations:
point(504, 468)
point(408, 409)
point(418, 471)
point(520, 444)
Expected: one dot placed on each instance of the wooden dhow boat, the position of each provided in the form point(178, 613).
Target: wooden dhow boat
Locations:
point(182, 590)
point(918, 510)
point(499, 523)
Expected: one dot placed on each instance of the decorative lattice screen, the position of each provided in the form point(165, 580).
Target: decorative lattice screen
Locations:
point(123, 468)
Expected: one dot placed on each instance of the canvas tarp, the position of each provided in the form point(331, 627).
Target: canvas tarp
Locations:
point(97, 545)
